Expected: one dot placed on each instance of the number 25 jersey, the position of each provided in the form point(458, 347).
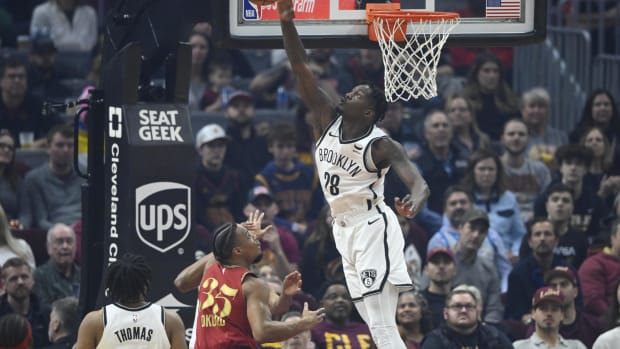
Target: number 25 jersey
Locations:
point(349, 178)
point(222, 320)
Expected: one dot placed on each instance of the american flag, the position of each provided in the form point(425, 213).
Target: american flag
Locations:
point(503, 9)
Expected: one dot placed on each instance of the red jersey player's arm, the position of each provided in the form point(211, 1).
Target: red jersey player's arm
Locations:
point(291, 285)
point(264, 329)
point(189, 278)
point(90, 331)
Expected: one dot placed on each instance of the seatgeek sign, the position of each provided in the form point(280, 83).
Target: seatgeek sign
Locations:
point(149, 174)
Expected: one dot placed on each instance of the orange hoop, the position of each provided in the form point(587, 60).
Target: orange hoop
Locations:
point(391, 13)
point(410, 59)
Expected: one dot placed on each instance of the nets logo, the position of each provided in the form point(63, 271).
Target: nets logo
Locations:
point(162, 214)
point(368, 277)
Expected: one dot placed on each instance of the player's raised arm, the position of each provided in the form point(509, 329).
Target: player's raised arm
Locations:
point(264, 329)
point(388, 152)
point(314, 98)
point(189, 278)
point(291, 285)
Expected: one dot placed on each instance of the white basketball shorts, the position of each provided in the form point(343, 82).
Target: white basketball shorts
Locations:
point(371, 244)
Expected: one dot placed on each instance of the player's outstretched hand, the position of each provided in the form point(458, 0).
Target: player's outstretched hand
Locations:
point(404, 206)
point(292, 284)
point(285, 9)
point(312, 318)
point(407, 207)
point(253, 224)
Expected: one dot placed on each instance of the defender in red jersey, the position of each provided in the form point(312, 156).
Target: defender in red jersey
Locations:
point(234, 306)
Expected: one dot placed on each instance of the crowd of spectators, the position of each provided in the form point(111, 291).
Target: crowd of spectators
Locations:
point(518, 209)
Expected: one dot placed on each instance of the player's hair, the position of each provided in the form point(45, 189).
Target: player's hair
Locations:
point(67, 311)
point(15, 331)
point(128, 279)
point(223, 241)
point(377, 96)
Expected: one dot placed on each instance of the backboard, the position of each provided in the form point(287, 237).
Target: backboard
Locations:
point(342, 23)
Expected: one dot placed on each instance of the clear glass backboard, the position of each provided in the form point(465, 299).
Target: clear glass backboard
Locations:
point(342, 23)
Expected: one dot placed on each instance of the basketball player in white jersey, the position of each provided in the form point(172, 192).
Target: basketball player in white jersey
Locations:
point(131, 321)
point(352, 157)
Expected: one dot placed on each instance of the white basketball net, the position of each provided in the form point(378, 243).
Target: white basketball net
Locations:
point(411, 66)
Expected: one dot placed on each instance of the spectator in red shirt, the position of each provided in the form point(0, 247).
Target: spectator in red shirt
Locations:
point(600, 273)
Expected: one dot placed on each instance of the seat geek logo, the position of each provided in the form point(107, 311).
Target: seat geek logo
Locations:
point(162, 214)
point(159, 125)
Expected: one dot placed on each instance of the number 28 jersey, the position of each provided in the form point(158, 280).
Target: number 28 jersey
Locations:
point(349, 178)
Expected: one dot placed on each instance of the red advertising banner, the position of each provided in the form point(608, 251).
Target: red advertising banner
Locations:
point(304, 10)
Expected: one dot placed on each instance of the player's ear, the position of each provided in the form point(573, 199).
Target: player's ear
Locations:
point(369, 113)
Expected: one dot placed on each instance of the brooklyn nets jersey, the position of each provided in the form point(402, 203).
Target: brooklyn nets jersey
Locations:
point(140, 328)
point(349, 178)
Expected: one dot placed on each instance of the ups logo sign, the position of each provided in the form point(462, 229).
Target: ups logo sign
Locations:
point(163, 214)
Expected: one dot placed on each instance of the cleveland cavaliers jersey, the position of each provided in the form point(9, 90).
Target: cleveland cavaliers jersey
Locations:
point(222, 320)
point(349, 178)
point(140, 328)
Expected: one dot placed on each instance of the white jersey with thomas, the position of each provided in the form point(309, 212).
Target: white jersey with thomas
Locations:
point(139, 328)
point(350, 180)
